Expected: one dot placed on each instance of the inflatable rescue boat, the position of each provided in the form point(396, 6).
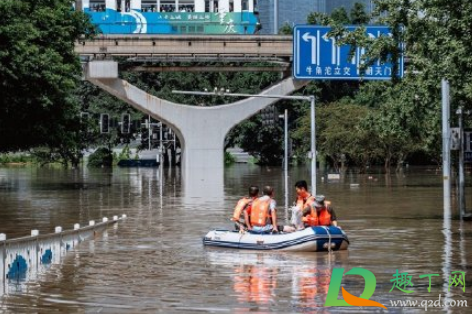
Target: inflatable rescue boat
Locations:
point(313, 239)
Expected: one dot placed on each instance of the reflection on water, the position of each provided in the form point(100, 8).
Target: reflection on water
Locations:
point(257, 277)
point(155, 261)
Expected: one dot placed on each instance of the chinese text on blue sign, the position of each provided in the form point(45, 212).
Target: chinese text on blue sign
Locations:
point(317, 56)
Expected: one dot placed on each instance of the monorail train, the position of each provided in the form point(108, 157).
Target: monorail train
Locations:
point(172, 16)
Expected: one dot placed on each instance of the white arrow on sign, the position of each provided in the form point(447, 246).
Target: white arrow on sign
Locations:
point(335, 50)
point(315, 44)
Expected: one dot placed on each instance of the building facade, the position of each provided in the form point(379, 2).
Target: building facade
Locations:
point(296, 11)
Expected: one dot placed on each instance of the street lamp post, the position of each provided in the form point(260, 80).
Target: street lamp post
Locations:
point(311, 99)
point(285, 117)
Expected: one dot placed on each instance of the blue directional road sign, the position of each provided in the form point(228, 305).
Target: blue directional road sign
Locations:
point(318, 57)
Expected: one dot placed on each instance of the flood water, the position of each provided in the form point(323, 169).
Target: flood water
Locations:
point(154, 262)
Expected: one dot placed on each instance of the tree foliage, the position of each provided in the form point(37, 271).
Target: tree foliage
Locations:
point(38, 73)
point(402, 116)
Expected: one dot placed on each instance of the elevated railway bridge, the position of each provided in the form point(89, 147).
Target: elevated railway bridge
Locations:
point(142, 50)
point(201, 130)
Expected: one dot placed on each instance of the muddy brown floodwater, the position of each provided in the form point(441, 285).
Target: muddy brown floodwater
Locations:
point(154, 262)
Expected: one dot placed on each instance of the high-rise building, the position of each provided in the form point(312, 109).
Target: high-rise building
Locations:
point(296, 11)
point(331, 5)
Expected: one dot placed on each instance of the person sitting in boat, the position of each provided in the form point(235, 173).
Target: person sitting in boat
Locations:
point(304, 200)
point(263, 217)
point(319, 213)
point(244, 205)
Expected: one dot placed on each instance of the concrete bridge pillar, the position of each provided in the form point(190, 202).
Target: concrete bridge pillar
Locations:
point(201, 130)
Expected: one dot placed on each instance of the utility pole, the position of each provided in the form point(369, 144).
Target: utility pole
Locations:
point(461, 164)
point(285, 117)
point(446, 153)
point(313, 145)
point(161, 146)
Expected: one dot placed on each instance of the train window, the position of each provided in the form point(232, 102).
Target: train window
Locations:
point(191, 29)
point(183, 29)
point(245, 5)
point(97, 6)
point(200, 29)
point(167, 6)
point(123, 5)
point(186, 5)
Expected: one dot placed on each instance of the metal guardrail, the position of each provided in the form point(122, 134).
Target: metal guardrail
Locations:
point(25, 257)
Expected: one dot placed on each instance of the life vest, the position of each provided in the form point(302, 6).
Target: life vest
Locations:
point(242, 204)
point(260, 212)
point(321, 219)
point(303, 202)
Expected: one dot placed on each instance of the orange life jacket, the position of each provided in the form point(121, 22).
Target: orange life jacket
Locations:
point(321, 219)
point(260, 212)
point(303, 202)
point(242, 204)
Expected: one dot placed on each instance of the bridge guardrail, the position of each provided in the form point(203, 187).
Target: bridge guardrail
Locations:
point(27, 256)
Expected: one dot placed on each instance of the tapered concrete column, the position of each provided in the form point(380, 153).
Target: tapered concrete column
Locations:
point(201, 130)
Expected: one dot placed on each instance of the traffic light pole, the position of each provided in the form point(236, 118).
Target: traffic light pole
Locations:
point(311, 99)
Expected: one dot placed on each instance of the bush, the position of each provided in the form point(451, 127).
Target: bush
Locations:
point(229, 159)
point(102, 157)
point(16, 158)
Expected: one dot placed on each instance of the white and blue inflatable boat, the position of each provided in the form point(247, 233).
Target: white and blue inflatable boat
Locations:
point(314, 239)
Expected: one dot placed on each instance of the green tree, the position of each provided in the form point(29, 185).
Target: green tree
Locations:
point(340, 16)
point(339, 134)
point(38, 73)
point(318, 18)
point(436, 37)
point(286, 29)
point(396, 123)
point(358, 14)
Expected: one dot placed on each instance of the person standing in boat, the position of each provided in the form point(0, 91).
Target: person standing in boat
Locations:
point(304, 200)
point(244, 205)
point(319, 213)
point(263, 217)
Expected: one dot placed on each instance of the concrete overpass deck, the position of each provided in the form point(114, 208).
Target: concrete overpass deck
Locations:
point(193, 47)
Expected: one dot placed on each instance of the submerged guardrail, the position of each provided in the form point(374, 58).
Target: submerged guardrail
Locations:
point(25, 256)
